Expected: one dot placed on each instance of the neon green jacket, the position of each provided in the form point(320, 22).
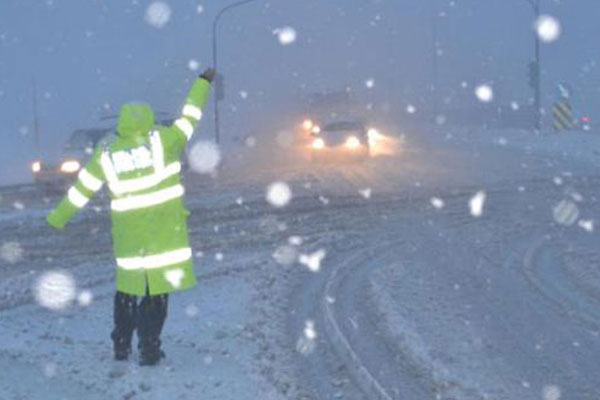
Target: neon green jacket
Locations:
point(149, 219)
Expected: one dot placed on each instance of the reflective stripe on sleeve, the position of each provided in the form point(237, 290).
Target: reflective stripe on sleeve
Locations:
point(89, 181)
point(190, 110)
point(185, 126)
point(156, 260)
point(77, 198)
point(158, 157)
point(139, 201)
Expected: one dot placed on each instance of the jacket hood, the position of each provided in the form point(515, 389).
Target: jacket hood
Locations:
point(135, 119)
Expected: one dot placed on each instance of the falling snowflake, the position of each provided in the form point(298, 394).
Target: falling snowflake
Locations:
point(366, 193)
point(313, 261)
point(193, 65)
point(440, 119)
point(370, 83)
point(219, 256)
point(306, 342)
point(295, 240)
point(484, 93)
point(548, 28)
point(243, 94)
point(586, 224)
point(557, 180)
point(565, 213)
point(286, 255)
point(191, 310)
point(514, 105)
point(551, 392)
point(11, 252)
point(250, 141)
point(18, 205)
point(85, 298)
point(55, 290)
point(158, 14)
point(204, 157)
point(174, 277)
point(437, 203)
point(200, 9)
point(279, 194)
point(50, 370)
point(411, 109)
point(476, 204)
point(286, 35)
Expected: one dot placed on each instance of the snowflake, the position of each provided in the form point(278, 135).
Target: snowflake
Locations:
point(551, 392)
point(219, 256)
point(370, 83)
point(306, 342)
point(286, 35)
point(11, 252)
point(85, 298)
point(204, 157)
point(200, 9)
point(437, 202)
point(476, 203)
point(193, 65)
point(279, 194)
point(286, 255)
point(484, 93)
point(158, 14)
point(366, 193)
point(191, 310)
point(243, 94)
point(548, 28)
point(55, 290)
point(313, 261)
point(411, 109)
point(586, 224)
point(565, 213)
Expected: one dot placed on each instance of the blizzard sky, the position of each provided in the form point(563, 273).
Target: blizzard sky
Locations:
point(88, 57)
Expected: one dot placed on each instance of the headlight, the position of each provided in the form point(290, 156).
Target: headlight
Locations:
point(70, 166)
point(316, 129)
point(374, 136)
point(36, 166)
point(307, 125)
point(352, 142)
point(318, 143)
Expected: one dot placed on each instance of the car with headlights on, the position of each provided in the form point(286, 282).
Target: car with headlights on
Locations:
point(340, 141)
point(75, 154)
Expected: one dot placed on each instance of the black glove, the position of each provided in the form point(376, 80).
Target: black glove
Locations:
point(209, 74)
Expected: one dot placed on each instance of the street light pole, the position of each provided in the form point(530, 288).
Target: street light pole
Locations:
point(535, 4)
point(215, 65)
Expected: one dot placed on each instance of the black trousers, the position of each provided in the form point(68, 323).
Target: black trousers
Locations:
point(147, 317)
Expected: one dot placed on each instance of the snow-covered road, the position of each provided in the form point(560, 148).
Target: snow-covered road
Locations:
point(414, 297)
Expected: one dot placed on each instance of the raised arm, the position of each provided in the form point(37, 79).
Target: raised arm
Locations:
point(89, 182)
point(196, 99)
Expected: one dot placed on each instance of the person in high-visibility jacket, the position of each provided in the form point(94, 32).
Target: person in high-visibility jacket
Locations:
point(141, 168)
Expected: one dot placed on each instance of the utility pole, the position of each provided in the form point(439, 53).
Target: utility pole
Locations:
point(218, 97)
point(36, 123)
point(435, 64)
point(537, 70)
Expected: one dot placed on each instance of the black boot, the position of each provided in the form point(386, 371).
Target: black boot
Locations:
point(151, 316)
point(125, 311)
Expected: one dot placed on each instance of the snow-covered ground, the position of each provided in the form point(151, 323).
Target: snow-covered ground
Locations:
point(461, 267)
